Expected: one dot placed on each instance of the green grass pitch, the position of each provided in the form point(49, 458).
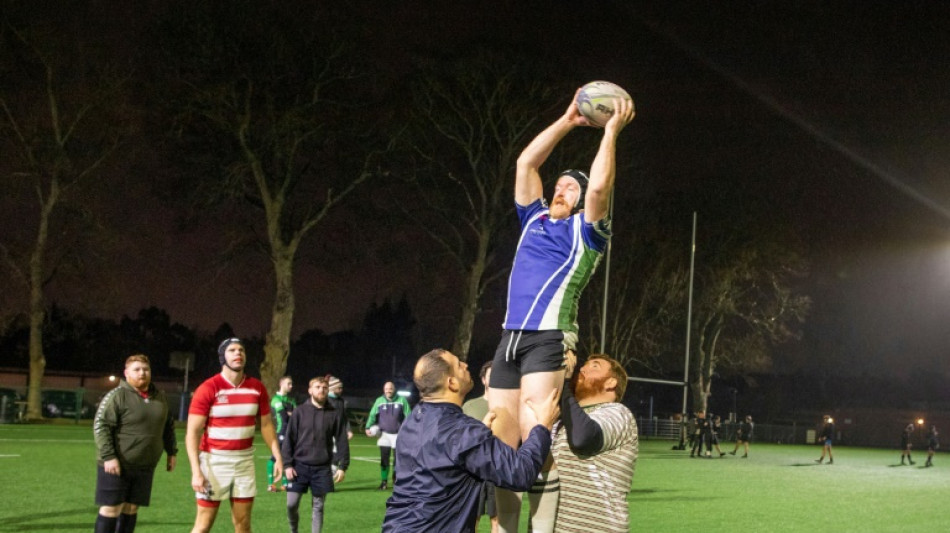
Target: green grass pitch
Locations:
point(49, 480)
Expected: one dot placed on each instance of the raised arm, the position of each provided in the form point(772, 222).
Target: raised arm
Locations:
point(604, 168)
point(528, 186)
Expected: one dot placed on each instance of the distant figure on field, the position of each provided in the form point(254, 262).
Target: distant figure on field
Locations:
point(388, 413)
point(907, 437)
point(714, 430)
point(825, 437)
point(700, 434)
point(744, 436)
point(932, 445)
point(132, 427)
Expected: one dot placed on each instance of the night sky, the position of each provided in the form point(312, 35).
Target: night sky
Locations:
point(836, 113)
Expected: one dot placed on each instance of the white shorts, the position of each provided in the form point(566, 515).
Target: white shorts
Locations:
point(229, 476)
point(386, 439)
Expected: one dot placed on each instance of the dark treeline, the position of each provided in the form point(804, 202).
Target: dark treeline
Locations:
point(74, 342)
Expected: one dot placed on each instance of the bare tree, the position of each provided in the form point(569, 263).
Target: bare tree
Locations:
point(746, 301)
point(272, 102)
point(59, 124)
point(472, 118)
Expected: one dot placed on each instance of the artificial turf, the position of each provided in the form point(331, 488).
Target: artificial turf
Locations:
point(48, 474)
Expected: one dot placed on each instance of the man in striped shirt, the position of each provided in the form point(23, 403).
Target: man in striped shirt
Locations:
point(595, 447)
point(220, 439)
point(557, 253)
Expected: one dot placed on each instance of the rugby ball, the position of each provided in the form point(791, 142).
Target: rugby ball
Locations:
point(596, 101)
point(373, 431)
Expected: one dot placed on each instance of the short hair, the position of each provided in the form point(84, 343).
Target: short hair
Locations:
point(485, 368)
point(616, 371)
point(137, 358)
point(430, 372)
point(320, 379)
point(283, 378)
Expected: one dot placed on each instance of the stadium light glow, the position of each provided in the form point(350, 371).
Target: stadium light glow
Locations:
point(920, 421)
point(404, 393)
point(112, 378)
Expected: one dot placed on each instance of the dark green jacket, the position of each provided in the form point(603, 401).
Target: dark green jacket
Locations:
point(134, 429)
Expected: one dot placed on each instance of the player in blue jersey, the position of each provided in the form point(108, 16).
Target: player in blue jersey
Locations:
point(559, 248)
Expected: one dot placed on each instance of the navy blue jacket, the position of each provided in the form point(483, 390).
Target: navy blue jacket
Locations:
point(442, 458)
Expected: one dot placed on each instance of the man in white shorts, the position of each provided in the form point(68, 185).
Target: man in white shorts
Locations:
point(387, 414)
point(220, 439)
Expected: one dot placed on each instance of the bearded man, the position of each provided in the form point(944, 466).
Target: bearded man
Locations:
point(595, 447)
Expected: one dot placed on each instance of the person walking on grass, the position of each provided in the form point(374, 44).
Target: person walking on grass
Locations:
point(714, 430)
point(132, 427)
point(932, 445)
point(744, 436)
point(907, 437)
point(826, 437)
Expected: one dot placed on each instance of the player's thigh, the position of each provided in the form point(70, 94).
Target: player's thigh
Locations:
point(505, 403)
point(537, 387)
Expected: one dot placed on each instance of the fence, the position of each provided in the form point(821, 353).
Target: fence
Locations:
point(665, 429)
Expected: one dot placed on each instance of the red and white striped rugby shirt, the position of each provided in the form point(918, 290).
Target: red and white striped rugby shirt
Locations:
point(232, 413)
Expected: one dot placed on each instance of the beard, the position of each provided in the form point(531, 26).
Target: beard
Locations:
point(559, 208)
point(585, 388)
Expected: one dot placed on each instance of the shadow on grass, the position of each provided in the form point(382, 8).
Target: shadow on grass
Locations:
point(812, 464)
point(22, 523)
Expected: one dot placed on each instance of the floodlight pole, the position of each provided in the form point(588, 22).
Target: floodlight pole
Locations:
point(603, 311)
point(689, 313)
point(184, 393)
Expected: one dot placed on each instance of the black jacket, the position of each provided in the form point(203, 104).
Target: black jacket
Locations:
point(310, 435)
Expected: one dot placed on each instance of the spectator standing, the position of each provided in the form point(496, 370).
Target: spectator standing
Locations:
point(700, 434)
point(826, 437)
point(932, 445)
point(907, 442)
point(388, 413)
point(132, 427)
